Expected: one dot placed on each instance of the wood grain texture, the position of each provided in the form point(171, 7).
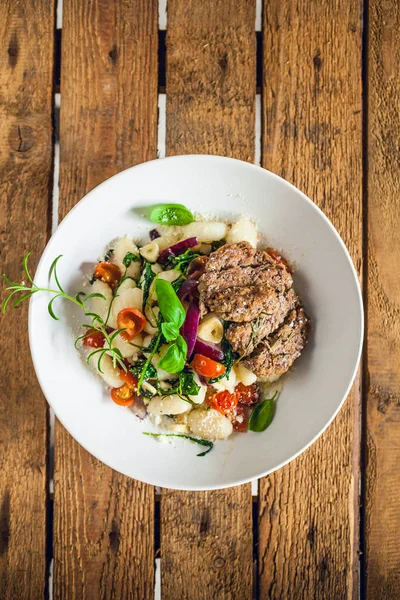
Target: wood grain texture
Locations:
point(312, 136)
point(382, 509)
point(26, 70)
point(103, 521)
point(206, 537)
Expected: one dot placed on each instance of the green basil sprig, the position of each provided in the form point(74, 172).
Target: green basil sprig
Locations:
point(262, 414)
point(171, 214)
point(173, 315)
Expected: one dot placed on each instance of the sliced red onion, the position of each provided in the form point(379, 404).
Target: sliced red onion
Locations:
point(189, 286)
point(139, 408)
point(210, 350)
point(153, 234)
point(177, 249)
point(190, 326)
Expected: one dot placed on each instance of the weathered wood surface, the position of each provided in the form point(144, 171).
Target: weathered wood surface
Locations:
point(312, 136)
point(103, 521)
point(206, 538)
point(26, 79)
point(382, 507)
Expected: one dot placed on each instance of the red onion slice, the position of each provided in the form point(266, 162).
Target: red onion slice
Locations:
point(210, 350)
point(190, 327)
point(177, 249)
point(189, 286)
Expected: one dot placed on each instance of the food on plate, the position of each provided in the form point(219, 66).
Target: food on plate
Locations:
point(189, 327)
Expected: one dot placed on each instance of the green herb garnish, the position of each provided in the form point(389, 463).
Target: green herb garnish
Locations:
point(171, 214)
point(137, 369)
point(147, 278)
point(174, 359)
point(186, 437)
point(130, 257)
point(182, 261)
point(229, 360)
point(262, 414)
point(108, 254)
point(97, 323)
point(216, 245)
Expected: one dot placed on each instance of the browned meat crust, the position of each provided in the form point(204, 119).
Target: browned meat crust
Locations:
point(244, 337)
point(276, 353)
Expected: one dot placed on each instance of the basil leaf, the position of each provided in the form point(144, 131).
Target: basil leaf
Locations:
point(262, 414)
point(147, 278)
point(170, 331)
point(174, 360)
point(187, 384)
point(137, 369)
point(170, 306)
point(171, 214)
point(128, 258)
point(186, 437)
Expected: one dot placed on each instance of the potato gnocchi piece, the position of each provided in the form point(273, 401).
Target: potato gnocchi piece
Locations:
point(110, 373)
point(121, 248)
point(127, 349)
point(151, 314)
point(167, 405)
point(244, 375)
point(127, 284)
point(226, 383)
point(169, 239)
point(244, 230)
point(211, 329)
point(205, 231)
point(150, 251)
point(209, 424)
point(98, 305)
point(132, 298)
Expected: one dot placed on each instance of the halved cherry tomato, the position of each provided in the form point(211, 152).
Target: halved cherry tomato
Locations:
point(240, 420)
point(224, 402)
point(207, 367)
point(125, 395)
point(95, 339)
point(279, 259)
point(132, 320)
point(248, 394)
point(109, 273)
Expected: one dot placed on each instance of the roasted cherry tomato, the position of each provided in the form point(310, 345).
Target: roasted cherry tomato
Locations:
point(109, 273)
point(132, 320)
point(125, 395)
point(240, 419)
point(279, 259)
point(224, 402)
point(94, 339)
point(207, 367)
point(248, 394)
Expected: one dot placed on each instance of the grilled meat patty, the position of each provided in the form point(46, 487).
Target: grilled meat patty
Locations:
point(277, 352)
point(253, 292)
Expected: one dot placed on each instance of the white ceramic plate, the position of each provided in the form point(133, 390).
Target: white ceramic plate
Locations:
point(325, 279)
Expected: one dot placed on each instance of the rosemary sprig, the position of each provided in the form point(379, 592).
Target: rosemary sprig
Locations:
point(186, 437)
point(97, 323)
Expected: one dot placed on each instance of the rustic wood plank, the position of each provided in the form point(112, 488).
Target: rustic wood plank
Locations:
point(382, 509)
point(206, 538)
point(103, 521)
point(26, 71)
point(312, 136)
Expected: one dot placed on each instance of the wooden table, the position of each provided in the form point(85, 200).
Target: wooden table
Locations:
point(328, 73)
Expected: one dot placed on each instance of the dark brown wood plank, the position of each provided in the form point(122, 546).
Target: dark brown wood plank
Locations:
point(26, 151)
point(382, 509)
point(103, 521)
point(312, 136)
point(206, 537)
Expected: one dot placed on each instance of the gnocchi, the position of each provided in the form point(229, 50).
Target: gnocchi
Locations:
point(98, 305)
point(131, 298)
point(209, 424)
point(211, 329)
point(167, 405)
point(244, 230)
point(121, 248)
